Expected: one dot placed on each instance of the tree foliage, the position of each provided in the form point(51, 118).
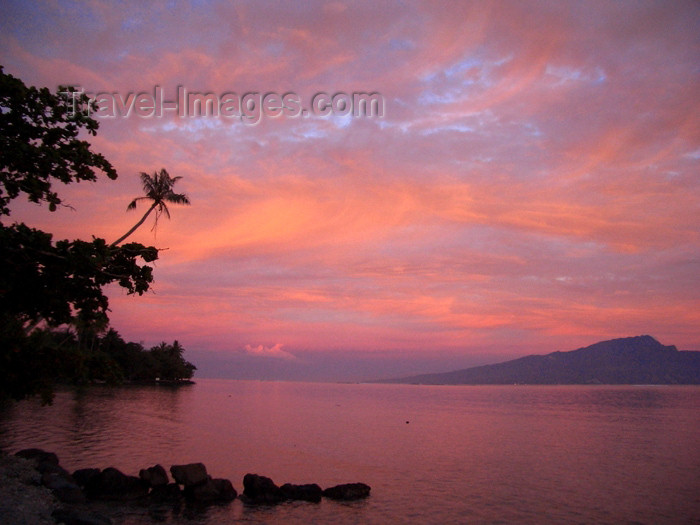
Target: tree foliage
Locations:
point(58, 282)
point(84, 358)
point(45, 284)
point(39, 143)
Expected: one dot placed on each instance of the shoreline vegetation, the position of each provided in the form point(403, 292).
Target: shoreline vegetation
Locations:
point(36, 489)
point(54, 323)
point(106, 359)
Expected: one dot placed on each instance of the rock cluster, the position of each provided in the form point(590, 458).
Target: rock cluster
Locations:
point(347, 491)
point(260, 489)
point(191, 483)
point(201, 487)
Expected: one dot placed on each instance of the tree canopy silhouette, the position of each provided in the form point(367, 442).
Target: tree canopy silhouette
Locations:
point(39, 143)
point(45, 284)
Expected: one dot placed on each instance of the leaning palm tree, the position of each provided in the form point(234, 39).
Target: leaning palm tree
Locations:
point(159, 189)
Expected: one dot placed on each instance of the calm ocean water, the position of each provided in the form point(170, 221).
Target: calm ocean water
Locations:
point(432, 454)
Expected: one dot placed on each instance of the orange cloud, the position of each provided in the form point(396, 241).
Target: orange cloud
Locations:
point(532, 183)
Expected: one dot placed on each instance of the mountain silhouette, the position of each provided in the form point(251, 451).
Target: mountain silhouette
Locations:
point(630, 360)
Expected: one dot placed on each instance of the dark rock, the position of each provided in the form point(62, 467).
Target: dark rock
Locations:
point(71, 494)
point(170, 493)
point(155, 476)
point(162, 513)
point(260, 489)
point(204, 491)
point(114, 485)
point(212, 490)
point(50, 468)
point(64, 488)
point(38, 456)
point(85, 476)
point(190, 474)
point(47, 469)
point(71, 516)
point(309, 492)
point(225, 489)
point(347, 491)
point(60, 482)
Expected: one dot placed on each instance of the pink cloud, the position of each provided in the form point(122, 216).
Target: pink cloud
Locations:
point(274, 351)
point(532, 183)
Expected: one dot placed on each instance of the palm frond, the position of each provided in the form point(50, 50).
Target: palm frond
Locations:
point(132, 204)
point(177, 198)
point(162, 208)
point(147, 182)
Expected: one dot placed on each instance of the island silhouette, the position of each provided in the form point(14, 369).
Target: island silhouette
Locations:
point(639, 360)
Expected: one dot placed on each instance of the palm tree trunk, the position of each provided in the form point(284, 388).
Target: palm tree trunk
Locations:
point(132, 230)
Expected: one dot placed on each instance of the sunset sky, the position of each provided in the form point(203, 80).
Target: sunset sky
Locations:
point(532, 186)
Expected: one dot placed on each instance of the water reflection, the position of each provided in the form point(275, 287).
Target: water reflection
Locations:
point(101, 426)
point(483, 454)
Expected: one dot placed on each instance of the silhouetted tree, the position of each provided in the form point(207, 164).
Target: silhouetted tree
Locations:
point(39, 143)
point(108, 359)
point(171, 366)
point(46, 284)
point(159, 189)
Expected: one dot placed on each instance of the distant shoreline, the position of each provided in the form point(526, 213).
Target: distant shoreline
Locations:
point(639, 360)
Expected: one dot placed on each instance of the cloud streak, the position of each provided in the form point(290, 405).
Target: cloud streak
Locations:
point(532, 187)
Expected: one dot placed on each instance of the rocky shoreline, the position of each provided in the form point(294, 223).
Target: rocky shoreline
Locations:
point(35, 489)
point(23, 500)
